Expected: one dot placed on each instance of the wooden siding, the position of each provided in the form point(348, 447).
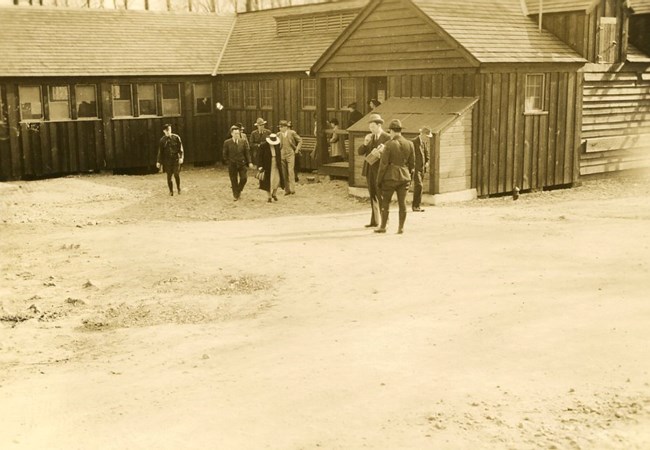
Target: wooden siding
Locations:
point(455, 156)
point(44, 148)
point(388, 42)
point(616, 115)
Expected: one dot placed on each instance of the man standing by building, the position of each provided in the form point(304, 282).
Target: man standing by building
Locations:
point(258, 136)
point(421, 145)
point(371, 150)
point(354, 115)
point(236, 154)
point(394, 175)
point(290, 145)
point(170, 156)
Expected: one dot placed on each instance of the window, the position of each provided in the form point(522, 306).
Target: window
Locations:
point(331, 93)
point(308, 94)
point(147, 100)
point(348, 90)
point(31, 106)
point(202, 98)
point(86, 99)
point(59, 102)
point(122, 106)
point(234, 94)
point(534, 93)
point(266, 94)
point(171, 99)
point(250, 94)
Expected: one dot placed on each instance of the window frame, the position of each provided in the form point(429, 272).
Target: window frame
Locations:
point(20, 107)
point(235, 87)
point(542, 91)
point(139, 99)
point(334, 96)
point(194, 98)
point(254, 89)
point(50, 102)
point(262, 98)
point(115, 116)
point(303, 82)
point(179, 104)
point(76, 103)
point(343, 103)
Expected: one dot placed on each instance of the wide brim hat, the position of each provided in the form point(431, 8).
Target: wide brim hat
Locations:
point(260, 121)
point(273, 139)
point(375, 118)
point(426, 131)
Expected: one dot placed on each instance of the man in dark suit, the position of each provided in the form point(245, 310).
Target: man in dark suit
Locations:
point(421, 145)
point(394, 174)
point(236, 154)
point(258, 137)
point(371, 149)
point(170, 156)
point(354, 115)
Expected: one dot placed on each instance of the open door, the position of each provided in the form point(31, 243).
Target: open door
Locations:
point(377, 88)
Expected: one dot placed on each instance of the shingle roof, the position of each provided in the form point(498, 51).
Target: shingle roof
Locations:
point(640, 6)
point(497, 31)
point(255, 47)
point(551, 6)
point(38, 41)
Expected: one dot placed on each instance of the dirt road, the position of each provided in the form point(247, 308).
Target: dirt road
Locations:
point(134, 320)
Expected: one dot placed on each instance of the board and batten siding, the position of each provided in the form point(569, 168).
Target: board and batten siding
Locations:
point(385, 42)
point(616, 119)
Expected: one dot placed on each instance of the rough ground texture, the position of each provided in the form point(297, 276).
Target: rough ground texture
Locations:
point(130, 319)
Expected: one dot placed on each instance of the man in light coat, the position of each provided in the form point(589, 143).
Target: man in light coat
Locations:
point(290, 145)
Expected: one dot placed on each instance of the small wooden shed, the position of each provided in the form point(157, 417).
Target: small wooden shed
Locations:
point(450, 120)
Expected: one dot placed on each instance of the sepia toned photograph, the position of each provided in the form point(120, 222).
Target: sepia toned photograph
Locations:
point(325, 224)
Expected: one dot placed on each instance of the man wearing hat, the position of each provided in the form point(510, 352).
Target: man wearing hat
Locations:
point(258, 137)
point(394, 175)
point(290, 145)
point(373, 141)
point(236, 154)
point(421, 145)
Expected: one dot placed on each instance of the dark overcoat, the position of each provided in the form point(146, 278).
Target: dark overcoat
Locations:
point(265, 163)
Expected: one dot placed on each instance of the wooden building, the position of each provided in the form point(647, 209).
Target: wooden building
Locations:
point(265, 69)
point(526, 129)
point(88, 90)
point(614, 36)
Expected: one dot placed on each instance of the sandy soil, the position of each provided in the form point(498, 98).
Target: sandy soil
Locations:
point(134, 320)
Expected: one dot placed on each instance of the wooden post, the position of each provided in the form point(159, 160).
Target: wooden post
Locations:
point(321, 114)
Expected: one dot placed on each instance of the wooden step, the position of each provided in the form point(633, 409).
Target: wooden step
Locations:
point(335, 170)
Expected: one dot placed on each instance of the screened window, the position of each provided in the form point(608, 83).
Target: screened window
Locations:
point(331, 93)
point(122, 100)
point(171, 99)
point(348, 90)
point(86, 99)
point(234, 94)
point(31, 106)
point(534, 93)
point(266, 94)
point(308, 92)
point(250, 94)
point(59, 102)
point(202, 98)
point(147, 100)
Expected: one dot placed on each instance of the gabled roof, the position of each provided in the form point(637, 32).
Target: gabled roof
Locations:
point(41, 41)
point(554, 6)
point(497, 31)
point(639, 6)
point(415, 113)
point(255, 46)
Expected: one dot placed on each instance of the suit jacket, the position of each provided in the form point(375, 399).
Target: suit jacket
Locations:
point(397, 162)
point(363, 149)
point(170, 149)
point(421, 154)
point(292, 141)
point(257, 138)
point(236, 153)
point(354, 117)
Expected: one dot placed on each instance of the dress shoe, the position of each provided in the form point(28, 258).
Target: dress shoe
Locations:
point(179, 191)
point(380, 230)
point(171, 193)
point(269, 201)
point(274, 197)
point(418, 210)
point(400, 231)
point(371, 225)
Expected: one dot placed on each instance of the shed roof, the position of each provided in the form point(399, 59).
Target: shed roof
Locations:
point(255, 47)
point(415, 113)
point(70, 42)
point(497, 31)
point(552, 6)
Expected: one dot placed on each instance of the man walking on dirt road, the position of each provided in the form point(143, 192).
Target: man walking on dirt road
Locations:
point(236, 154)
point(170, 156)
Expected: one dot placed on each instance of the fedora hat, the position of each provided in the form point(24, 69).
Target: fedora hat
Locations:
point(283, 123)
point(395, 125)
point(426, 131)
point(273, 139)
point(260, 121)
point(234, 127)
point(375, 118)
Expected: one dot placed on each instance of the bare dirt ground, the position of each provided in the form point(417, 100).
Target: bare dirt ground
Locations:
point(134, 320)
